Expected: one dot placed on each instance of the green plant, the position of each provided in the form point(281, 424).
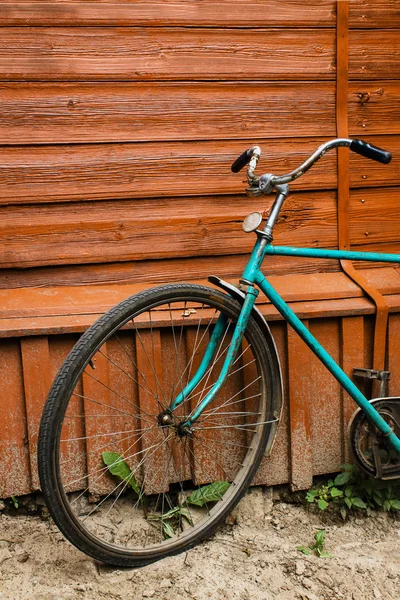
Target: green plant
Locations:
point(172, 519)
point(119, 468)
point(14, 500)
point(350, 490)
point(318, 547)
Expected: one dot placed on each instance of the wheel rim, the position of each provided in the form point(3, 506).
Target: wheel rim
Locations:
point(132, 486)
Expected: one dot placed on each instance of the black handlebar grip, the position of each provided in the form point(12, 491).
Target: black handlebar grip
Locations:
point(242, 160)
point(370, 151)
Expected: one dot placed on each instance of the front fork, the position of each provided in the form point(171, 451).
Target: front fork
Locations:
point(215, 339)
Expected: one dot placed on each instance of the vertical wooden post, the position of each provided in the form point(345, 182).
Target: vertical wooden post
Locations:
point(299, 369)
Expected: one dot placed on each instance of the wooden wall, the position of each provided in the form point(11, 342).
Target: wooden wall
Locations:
point(118, 125)
point(119, 122)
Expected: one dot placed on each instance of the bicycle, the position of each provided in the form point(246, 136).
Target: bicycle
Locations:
point(161, 413)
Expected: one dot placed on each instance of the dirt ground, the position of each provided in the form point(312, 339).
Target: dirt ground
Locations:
point(255, 558)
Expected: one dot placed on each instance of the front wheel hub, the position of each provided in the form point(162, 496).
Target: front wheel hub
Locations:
point(165, 419)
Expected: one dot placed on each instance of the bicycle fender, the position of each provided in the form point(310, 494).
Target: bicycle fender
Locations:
point(263, 325)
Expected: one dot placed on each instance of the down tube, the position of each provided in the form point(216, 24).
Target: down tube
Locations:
point(327, 360)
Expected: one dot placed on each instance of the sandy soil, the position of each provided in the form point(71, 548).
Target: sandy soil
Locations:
point(252, 558)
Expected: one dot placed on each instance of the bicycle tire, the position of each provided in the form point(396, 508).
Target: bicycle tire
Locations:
point(68, 442)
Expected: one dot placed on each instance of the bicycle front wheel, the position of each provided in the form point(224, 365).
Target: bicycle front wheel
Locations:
point(124, 485)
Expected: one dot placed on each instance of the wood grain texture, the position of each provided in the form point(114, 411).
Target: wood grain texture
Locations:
point(374, 107)
point(99, 232)
point(378, 14)
point(135, 54)
point(276, 13)
point(351, 357)
point(152, 272)
point(374, 54)
point(112, 171)
point(326, 427)
point(300, 411)
point(80, 300)
point(275, 469)
point(225, 13)
point(15, 477)
point(58, 113)
point(37, 382)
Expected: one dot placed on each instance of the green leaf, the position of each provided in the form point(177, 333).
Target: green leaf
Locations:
point(347, 467)
point(378, 498)
point(311, 495)
point(118, 467)
point(335, 492)
point(304, 550)
point(395, 504)
point(320, 537)
point(170, 514)
point(324, 554)
point(386, 505)
point(208, 493)
point(168, 530)
point(14, 501)
point(349, 502)
point(330, 483)
point(343, 512)
point(186, 513)
point(342, 478)
point(322, 504)
point(358, 502)
point(348, 491)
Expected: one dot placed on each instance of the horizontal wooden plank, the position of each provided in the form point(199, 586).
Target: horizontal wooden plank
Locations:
point(82, 300)
point(112, 171)
point(225, 13)
point(134, 54)
point(180, 227)
point(374, 14)
point(276, 13)
point(43, 325)
point(374, 54)
point(137, 54)
point(152, 272)
point(374, 108)
point(121, 112)
point(55, 113)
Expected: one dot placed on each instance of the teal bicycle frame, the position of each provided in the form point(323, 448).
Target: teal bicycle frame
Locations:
point(252, 276)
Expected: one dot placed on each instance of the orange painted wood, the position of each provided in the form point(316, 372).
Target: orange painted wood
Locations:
point(300, 411)
point(394, 354)
point(150, 272)
point(326, 426)
point(99, 232)
point(225, 13)
point(373, 53)
point(98, 399)
point(15, 476)
point(99, 112)
point(377, 14)
point(135, 54)
point(37, 381)
point(58, 113)
point(352, 356)
point(275, 469)
point(277, 13)
point(117, 171)
point(79, 300)
point(150, 383)
point(73, 462)
point(373, 107)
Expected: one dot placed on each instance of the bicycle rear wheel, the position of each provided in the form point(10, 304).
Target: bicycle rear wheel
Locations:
point(123, 486)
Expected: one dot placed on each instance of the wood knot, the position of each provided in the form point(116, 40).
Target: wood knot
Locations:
point(364, 97)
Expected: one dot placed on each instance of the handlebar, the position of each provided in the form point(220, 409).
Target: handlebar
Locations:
point(266, 182)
